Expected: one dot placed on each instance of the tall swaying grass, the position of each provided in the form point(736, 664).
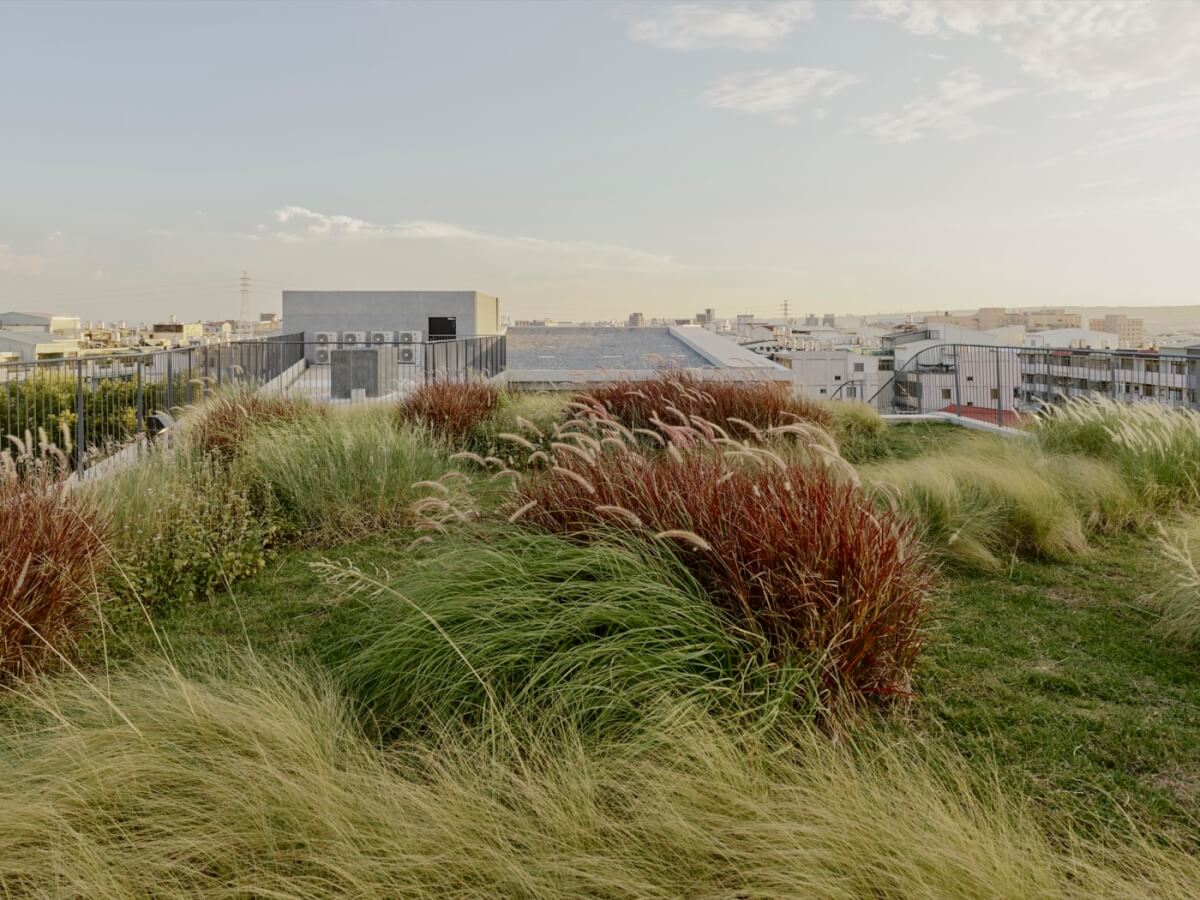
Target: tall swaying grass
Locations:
point(183, 527)
point(739, 407)
point(1179, 596)
point(534, 625)
point(339, 476)
point(51, 552)
point(451, 410)
point(991, 498)
point(794, 552)
point(258, 783)
point(532, 414)
point(223, 421)
point(1155, 448)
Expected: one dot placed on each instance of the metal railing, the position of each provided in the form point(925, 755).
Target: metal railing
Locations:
point(97, 404)
point(332, 373)
point(1003, 385)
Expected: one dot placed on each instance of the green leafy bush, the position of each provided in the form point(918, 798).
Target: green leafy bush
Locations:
point(184, 527)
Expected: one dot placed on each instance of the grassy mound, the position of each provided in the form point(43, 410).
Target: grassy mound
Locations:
point(739, 407)
point(259, 784)
point(992, 497)
point(594, 635)
point(792, 552)
point(340, 476)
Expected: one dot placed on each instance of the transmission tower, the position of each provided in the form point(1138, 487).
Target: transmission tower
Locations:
point(245, 283)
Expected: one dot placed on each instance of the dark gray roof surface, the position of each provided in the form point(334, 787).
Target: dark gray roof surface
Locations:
point(582, 349)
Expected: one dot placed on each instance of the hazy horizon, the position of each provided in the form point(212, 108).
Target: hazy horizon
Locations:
point(582, 160)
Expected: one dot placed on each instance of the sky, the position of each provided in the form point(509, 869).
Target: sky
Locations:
point(583, 160)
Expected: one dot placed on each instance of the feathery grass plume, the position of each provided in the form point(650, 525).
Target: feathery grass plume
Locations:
point(533, 414)
point(991, 497)
point(811, 566)
point(52, 549)
point(342, 475)
point(224, 421)
point(1155, 448)
point(451, 410)
point(1178, 599)
point(257, 782)
point(592, 634)
point(743, 407)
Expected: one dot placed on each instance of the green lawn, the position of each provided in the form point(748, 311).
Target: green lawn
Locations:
point(1055, 671)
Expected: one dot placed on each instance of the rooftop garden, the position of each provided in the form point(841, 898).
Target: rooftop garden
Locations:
point(654, 639)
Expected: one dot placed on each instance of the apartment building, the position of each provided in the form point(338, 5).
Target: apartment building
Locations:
point(824, 374)
point(1132, 332)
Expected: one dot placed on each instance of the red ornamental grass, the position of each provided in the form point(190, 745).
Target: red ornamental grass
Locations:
point(728, 403)
point(51, 547)
point(225, 422)
point(450, 409)
point(793, 552)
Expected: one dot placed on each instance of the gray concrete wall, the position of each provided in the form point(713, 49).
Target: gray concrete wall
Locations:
point(313, 311)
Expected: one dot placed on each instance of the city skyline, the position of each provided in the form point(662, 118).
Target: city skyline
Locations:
point(585, 160)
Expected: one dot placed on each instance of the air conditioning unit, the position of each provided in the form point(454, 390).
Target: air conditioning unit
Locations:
point(408, 337)
point(353, 338)
point(383, 337)
point(322, 355)
point(326, 337)
point(409, 354)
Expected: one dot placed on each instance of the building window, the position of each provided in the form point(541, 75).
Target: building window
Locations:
point(837, 377)
point(858, 367)
point(945, 393)
point(822, 390)
point(970, 378)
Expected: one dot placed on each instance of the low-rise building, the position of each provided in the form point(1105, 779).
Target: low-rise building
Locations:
point(1132, 332)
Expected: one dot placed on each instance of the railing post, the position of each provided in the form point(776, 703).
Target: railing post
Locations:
point(999, 392)
point(80, 412)
point(958, 380)
point(170, 380)
point(140, 403)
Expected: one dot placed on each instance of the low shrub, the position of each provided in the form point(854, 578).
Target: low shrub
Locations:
point(222, 423)
point(792, 551)
point(537, 625)
point(739, 407)
point(335, 477)
point(258, 783)
point(993, 497)
point(1155, 448)
point(52, 550)
point(183, 528)
point(451, 410)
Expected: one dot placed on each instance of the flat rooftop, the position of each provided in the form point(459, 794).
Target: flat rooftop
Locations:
point(580, 349)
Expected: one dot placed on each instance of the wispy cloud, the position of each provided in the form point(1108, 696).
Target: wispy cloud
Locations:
point(775, 93)
point(1175, 119)
point(12, 263)
point(947, 111)
point(694, 26)
point(1098, 49)
point(296, 224)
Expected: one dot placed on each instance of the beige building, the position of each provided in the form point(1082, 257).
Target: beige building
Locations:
point(1131, 332)
point(990, 317)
